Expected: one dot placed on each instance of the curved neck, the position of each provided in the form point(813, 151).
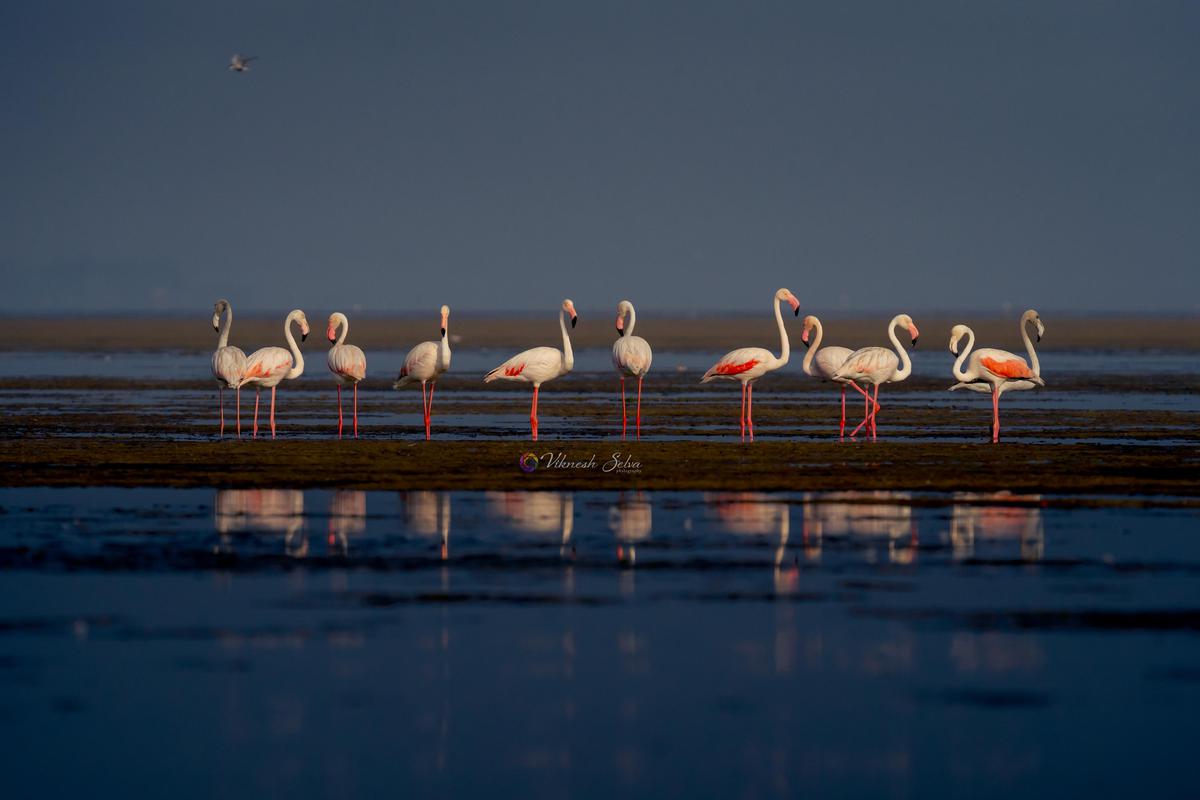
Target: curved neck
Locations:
point(444, 346)
point(962, 357)
point(905, 364)
point(1034, 364)
point(297, 357)
point(228, 323)
point(814, 347)
point(632, 321)
point(345, 323)
point(783, 337)
point(568, 355)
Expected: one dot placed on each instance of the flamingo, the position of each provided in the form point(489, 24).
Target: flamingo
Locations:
point(540, 364)
point(996, 371)
point(228, 363)
point(347, 362)
point(426, 362)
point(239, 63)
point(748, 364)
point(631, 356)
point(876, 365)
point(267, 367)
point(823, 362)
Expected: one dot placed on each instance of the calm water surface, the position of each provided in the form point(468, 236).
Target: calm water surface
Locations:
point(188, 643)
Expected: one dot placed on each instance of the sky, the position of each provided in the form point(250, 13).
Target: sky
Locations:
point(689, 156)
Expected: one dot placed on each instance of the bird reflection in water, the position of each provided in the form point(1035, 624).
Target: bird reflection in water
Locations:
point(631, 520)
point(428, 515)
point(347, 517)
point(537, 513)
point(997, 516)
point(270, 511)
point(758, 514)
point(864, 518)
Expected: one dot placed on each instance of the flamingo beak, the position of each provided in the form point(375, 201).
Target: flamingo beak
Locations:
point(303, 336)
point(915, 334)
point(620, 324)
point(795, 304)
point(574, 318)
point(804, 338)
point(443, 330)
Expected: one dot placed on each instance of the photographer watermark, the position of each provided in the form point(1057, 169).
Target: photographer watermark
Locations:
point(618, 463)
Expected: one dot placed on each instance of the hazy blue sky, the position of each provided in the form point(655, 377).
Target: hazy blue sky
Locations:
point(494, 154)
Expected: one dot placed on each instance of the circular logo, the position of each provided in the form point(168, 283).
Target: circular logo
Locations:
point(528, 462)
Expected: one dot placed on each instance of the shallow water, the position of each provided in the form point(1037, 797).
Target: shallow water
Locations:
point(592, 644)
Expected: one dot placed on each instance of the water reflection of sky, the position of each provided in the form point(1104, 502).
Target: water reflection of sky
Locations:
point(593, 643)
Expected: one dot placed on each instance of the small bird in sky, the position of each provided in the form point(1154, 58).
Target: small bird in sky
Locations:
point(240, 63)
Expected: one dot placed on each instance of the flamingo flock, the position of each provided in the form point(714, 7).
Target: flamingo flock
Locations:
point(987, 370)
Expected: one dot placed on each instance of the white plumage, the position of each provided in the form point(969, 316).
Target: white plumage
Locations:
point(425, 363)
point(228, 362)
point(268, 366)
point(347, 362)
point(540, 364)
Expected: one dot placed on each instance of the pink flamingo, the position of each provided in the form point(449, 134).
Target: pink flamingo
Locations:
point(631, 356)
point(347, 362)
point(267, 367)
point(823, 362)
point(876, 365)
point(996, 371)
point(539, 364)
point(228, 363)
point(426, 362)
point(748, 364)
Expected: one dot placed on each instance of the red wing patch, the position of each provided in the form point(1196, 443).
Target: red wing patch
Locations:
point(512, 372)
point(736, 369)
point(1007, 369)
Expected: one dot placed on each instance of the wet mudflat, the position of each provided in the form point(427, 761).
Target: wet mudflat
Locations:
point(593, 643)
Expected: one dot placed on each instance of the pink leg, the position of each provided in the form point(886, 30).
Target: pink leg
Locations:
point(842, 427)
point(429, 410)
point(272, 412)
point(874, 412)
point(257, 392)
point(533, 414)
point(355, 410)
point(624, 416)
point(339, 388)
point(239, 411)
point(639, 409)
point(221, 406)
point(425, 409)
point(995, 415)
point(750, 409)
point(742, 418)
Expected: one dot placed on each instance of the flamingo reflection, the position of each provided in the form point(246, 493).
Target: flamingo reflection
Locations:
point(758, 514)
point(428, 514)
point(261, 511)
point(997, 516)
point(347, 517)
point(877, 515)
point(537, 513)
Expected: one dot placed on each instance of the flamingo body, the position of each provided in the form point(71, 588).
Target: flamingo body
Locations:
point(879, 365)
point(823, 362)
point(539, 364)
point(267, 367)
point(996, 371)
point(425, 363)
point(347, 362)
point(228, 363)
point(631, 358)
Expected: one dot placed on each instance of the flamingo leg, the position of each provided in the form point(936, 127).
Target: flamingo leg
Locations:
point(624, 416)
point(425, 409)
point(429, 410)
point(874, 412)
point(868, 413)
point(533, 415)
point(272, 412)
point(742, 418)
point(221, 406)
point(639, 408)
point(257, 393)
point(842, 427)
point(995, 415)
point(239, 411)
point(356, 410)
point(339, 388)
point(750, 409)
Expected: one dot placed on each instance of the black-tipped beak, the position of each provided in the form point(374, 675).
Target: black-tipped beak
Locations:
point(218, 328)
point(620, 332)
point(796, 311)
point(303, 336)
point(916, 340)
point(1039, 337)
point(807, 343)
point(443, 331)
point(573, 321)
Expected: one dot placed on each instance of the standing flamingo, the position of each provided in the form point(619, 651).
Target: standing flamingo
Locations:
point(748, 364)
point(539, 364)
point(876, 365)
point(426, 362)
point(228, 363)
point(997, 371)
point(267, 367)
point(823, 362)
point(631, 356)
point(347, 362)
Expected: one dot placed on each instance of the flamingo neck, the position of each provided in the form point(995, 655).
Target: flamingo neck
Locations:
point(344, 322)
point(785, 347)
point(958, 370)
point(297, 357)
point(568, 354)
point(1034, 364)
point(444, 349)
point(227, 323)
point(632, 321)
point(816, 345)
point(905, 364)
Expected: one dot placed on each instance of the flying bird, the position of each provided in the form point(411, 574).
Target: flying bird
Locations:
point(241, 63)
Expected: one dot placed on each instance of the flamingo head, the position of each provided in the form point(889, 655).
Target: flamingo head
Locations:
point(623, 308)
point(809, 322)
point(218, 309)
point(786, 294)
point(905, 321)
point(569, 307)
point(956, 334)
point(302, 321)
point(1032, 316)
point(445, 318)
point(331, 328)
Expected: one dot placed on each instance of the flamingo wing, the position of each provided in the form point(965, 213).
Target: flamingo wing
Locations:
point(1003, 364)
point(228, 365)
point(267, 363)
point(828, 359)
point(532, 366)
point(632, 355)
point(734, 363)
point(868, 362)
point(421, 362)
point(347, 361)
